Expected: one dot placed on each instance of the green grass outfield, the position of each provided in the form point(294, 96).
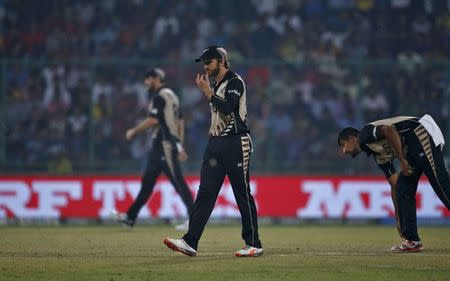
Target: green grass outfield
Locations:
point(112, 253)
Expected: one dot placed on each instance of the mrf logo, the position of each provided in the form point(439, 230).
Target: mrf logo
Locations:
point(360, 199)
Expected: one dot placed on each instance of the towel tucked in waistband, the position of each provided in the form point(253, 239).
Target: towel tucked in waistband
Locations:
point(433, 130)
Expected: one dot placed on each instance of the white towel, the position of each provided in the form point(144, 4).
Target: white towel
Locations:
point(433, 129)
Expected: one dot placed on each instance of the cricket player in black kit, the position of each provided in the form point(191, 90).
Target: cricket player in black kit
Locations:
point(417, 143)
point(228, 153)
point(164, 116)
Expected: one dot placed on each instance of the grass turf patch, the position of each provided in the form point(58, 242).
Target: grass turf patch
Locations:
point(112, 253)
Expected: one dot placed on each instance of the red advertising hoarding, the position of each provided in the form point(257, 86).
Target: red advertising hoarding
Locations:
point(276, 196)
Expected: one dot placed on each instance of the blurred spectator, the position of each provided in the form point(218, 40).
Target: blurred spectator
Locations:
point(374, 104)
point(72, 74)
point(77, 123)
point(60, 163)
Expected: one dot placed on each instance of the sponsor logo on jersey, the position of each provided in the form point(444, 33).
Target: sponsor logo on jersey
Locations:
point(234, 92)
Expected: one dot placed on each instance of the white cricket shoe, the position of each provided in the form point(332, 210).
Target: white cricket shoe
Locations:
point(249, 251)
point(183, 226)
point(122, 218)
point(408, 246)
point(181, 246)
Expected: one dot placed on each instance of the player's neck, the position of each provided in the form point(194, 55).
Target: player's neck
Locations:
point(221, 74)
point(158, 87)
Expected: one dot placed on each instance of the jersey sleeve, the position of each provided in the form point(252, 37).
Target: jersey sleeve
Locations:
point(388, 169)
point(157, 109)
point(369, 134)
point(233, 92)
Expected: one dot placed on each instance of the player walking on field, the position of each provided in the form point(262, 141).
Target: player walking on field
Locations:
point(418, 144)
point(165, 117)
point(227, 153)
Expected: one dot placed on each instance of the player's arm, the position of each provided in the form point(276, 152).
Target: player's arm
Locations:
point(155, 114)
point(181, 130)
point(233, 93)
point(393, 183)
point(182, 155)
point(392, 177)
point(369, 134)
point(202, 82)
point(393, 138)
point(145, 124)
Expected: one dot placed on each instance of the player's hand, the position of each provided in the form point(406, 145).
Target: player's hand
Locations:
point(130, 134)
point(407, 170)
point(182, 156)
point(202, 82)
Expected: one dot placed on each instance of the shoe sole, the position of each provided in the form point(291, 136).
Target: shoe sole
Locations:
point(174, 247)
point(250, 255)
point(408, 250)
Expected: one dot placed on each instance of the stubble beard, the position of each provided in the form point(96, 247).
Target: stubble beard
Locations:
point(215, 71)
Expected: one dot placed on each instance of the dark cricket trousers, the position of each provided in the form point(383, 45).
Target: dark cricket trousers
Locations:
point(163, 157)
point(424, 157)
point(228, 155)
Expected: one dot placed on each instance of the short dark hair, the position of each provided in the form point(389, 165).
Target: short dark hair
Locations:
point(346, 133)
point(156, 72)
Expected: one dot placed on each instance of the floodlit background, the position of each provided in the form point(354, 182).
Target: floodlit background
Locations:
point(71, 83)
point(71, 76)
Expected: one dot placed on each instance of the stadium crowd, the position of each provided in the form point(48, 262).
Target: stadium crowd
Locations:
point(73, 74)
